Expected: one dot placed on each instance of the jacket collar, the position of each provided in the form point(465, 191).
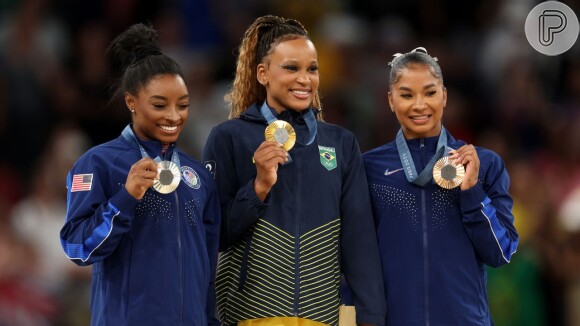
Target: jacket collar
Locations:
point(293, 117)
point(430, 143)
point(153, 148)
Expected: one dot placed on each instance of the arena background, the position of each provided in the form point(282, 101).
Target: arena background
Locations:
point(502, 94)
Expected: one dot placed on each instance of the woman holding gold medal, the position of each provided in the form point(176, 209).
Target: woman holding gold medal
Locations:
point(144, 214)
point(441, 206)
point(295, 202)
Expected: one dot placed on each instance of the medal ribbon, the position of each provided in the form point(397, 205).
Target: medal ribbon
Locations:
point(409, 165)
point(308, 118)
point(131, 138)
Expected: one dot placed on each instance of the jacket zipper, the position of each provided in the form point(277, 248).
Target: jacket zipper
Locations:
point(297, 234)
point(180, 258)
point(425, 239)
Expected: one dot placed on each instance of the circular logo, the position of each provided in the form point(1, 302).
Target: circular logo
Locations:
point(552, 28)
point(190, 177)
point(281, 135)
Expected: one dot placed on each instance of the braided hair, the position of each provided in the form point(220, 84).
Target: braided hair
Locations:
point(259, 40)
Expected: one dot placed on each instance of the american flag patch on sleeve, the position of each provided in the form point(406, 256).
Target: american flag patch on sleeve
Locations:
point(82, 182)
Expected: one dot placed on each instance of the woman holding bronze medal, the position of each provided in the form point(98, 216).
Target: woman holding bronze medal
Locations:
point(441, 206)
point(295, 203)
point(144, 214)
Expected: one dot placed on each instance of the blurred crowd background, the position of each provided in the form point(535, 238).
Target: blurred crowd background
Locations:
point(502, 94)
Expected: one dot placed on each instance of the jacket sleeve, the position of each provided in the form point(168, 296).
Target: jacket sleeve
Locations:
point(360, 258)
point(211, 221)
point(240, 205)
point(95, 223)
point(487, 214)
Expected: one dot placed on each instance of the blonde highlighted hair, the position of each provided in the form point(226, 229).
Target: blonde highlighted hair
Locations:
point(259, 40)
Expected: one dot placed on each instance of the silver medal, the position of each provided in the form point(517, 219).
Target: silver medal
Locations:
point(168, 178)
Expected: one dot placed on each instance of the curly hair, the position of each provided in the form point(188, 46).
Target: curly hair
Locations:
point(259, 40)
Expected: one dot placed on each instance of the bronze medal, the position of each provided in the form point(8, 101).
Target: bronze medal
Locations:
point(281, 132)
point(168, 179)
point(446, 174)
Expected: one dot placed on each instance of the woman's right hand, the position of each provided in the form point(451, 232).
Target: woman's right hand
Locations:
point(267, 157)
point(141, 177)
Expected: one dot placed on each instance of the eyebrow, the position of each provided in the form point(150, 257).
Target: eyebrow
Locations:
point(403, 88)
point(160, 97)
point(295, 61)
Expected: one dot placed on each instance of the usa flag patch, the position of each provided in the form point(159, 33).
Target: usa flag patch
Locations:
point(82, 182)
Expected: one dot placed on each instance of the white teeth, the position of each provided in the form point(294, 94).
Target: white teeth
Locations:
point(423, 117)
point(169, 128)
point(300, 92)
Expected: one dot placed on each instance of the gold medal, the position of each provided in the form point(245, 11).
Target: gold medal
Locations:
point(169, 177)
point(282, 132)
point(446, 174)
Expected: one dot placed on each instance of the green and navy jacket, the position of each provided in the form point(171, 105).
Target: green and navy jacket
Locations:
point(283, 257)
point(435, 243)
point(153, 260)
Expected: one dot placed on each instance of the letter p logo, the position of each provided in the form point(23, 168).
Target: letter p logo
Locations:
point(551, 22)
point(552, 28)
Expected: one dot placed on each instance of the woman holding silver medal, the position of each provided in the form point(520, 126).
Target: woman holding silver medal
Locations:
point(441, 206)
point(295, 203)
point(144, 214)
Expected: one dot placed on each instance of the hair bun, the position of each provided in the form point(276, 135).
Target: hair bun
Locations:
point(146, 50)
point(136, 43)
point(418, 49)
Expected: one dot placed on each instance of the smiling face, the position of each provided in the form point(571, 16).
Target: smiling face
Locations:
point(161, 108)
point(290, 75)
point(418, 99)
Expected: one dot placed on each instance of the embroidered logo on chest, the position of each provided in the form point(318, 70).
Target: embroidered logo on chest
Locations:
point(327, 157)
point(190, 177)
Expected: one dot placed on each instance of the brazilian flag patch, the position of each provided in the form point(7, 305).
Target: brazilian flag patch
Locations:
point(327, 157)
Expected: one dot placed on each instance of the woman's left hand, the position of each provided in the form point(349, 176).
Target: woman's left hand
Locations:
point(467, 156)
